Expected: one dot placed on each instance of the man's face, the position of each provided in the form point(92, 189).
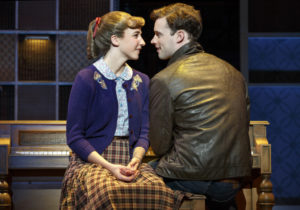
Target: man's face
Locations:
point(164, 42)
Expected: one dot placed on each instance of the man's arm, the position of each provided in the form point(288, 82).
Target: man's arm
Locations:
point(247, 101)
point(161, 117)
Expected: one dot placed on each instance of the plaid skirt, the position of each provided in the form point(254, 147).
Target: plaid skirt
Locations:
point(89, 186)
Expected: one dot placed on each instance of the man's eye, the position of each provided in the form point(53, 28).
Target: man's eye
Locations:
point(157, 35)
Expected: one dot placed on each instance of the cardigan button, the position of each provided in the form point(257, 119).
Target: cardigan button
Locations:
point(131, 132)
point(129, 100)
point(130, 116)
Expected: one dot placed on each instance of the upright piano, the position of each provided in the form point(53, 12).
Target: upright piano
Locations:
point(41, 146)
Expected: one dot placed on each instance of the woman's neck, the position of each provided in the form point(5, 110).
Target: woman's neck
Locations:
point(115, 63)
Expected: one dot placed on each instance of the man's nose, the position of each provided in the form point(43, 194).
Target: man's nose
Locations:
point(153, 40)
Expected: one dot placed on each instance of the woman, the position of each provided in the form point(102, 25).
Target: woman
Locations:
point(107, 125)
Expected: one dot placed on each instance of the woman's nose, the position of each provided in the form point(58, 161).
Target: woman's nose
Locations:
point(143, 42)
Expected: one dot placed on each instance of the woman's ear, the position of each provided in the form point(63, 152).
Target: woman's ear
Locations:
point(114, 40)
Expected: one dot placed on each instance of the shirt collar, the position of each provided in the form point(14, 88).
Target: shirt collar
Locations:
point(103, 68)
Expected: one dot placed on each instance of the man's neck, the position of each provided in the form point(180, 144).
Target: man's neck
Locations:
point(179, 45)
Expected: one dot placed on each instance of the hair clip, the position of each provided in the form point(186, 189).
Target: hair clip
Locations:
point(98, 20)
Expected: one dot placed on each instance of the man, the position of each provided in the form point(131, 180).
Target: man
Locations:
point(198, 112)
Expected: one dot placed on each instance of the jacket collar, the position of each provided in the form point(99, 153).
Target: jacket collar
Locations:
point(187, 49)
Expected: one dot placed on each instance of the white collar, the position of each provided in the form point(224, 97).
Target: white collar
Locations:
point(103, 68)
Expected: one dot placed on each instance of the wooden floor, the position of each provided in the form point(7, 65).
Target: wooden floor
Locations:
point(48, 199)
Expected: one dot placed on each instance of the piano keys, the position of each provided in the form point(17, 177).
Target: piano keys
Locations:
point(36, 144)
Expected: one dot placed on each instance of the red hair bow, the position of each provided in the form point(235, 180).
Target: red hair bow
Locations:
point(98, 20)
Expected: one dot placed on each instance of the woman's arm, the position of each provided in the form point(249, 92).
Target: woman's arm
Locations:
point(138, 155)
point(79, 99)
point(143, 138)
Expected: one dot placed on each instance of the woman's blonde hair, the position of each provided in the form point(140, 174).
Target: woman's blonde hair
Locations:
point(112, 23)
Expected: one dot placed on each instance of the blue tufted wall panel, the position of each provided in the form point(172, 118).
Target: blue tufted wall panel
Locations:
point(280, 105)
point(274, 53)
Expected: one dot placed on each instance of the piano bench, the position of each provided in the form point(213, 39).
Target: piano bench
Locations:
point(193, 202)
point(41, 145)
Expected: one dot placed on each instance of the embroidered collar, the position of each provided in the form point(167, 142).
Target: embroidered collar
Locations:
point(103, 68)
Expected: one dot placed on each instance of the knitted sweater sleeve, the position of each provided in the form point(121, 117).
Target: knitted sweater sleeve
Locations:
point(143, 140)
point(77, 113)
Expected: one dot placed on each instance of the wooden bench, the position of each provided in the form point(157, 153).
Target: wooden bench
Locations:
point(39, 146)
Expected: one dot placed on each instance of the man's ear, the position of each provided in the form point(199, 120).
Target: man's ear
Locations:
point(180, 36)
point(114, 40)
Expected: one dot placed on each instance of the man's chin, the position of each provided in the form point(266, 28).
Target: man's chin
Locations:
point(163, 57)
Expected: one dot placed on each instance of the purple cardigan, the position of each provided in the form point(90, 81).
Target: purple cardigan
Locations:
point(93, 111)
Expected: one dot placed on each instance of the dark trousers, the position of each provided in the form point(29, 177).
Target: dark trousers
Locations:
point(219, 195)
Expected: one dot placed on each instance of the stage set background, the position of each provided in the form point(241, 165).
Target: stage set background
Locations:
point(260, 38)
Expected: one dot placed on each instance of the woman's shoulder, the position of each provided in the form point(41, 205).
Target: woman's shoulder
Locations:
point(143, 76)
point(85, 77)
point(87, 72)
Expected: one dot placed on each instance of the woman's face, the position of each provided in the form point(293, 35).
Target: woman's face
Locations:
point(131, 43)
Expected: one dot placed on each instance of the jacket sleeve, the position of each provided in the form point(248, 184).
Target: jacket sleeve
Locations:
point(77, 113)
point(161, 117)
point(247, 100)
point(143, 139)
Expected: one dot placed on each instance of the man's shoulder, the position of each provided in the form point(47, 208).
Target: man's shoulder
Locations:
point(168, 71)
point(161, 74)
point(180, 67)
point(207, 57)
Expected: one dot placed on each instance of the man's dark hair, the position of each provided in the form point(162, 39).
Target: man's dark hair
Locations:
point(181, 16)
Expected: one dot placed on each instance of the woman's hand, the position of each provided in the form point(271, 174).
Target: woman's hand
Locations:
point(138, 155)
point(134, 163)
point(123, 173)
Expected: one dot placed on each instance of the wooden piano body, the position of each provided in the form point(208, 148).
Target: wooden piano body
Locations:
point(27, 146)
